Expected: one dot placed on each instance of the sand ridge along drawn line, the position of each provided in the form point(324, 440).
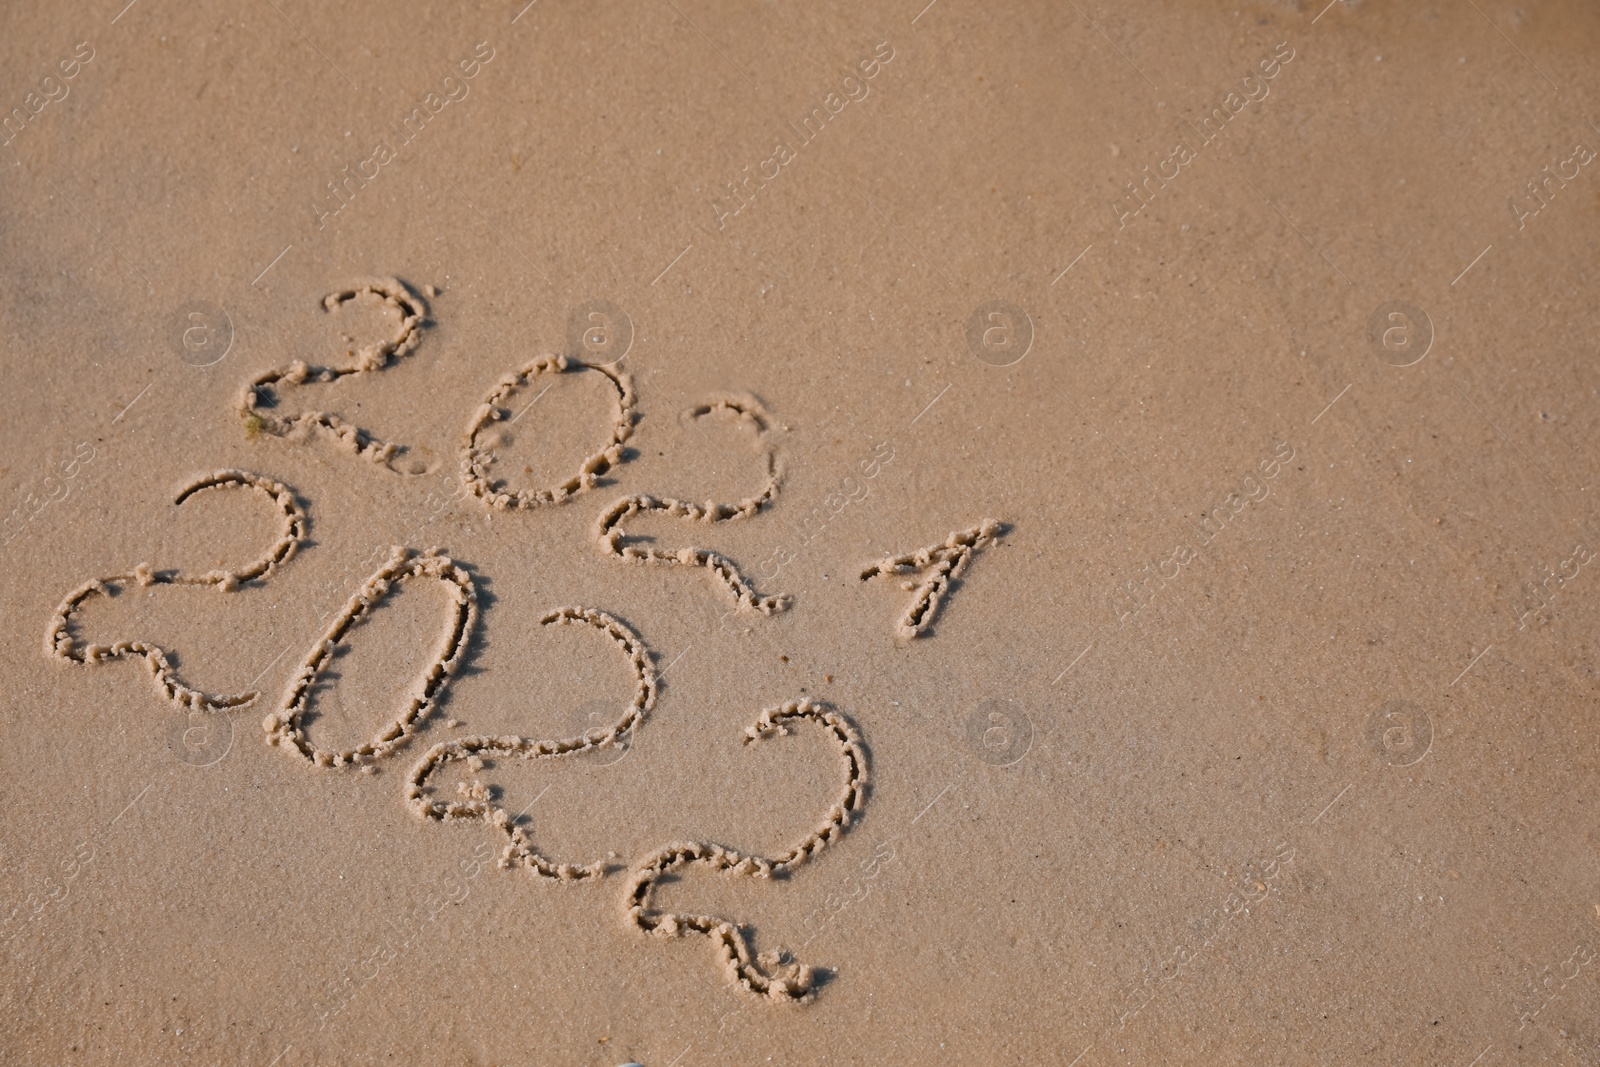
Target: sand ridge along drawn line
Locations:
point(610, 534)
point(771, 974)
point(475, 468)
point(284, 727)
point(60, 642)
point(520, 850)
point(944, 564)
point(260, 394)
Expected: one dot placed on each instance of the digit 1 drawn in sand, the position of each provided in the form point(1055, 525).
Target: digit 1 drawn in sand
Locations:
point(520, 851)
point(610, 534)
point(60, 642)
point(261, 394)
point(284, 727)
point(944, 563)
point(772, 974)
point(475, 468)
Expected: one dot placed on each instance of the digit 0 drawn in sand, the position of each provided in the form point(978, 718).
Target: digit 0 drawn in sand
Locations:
point(771, 974)
point(475, 467)
point(944, 564)
point(520, 850)
point(261, 394)
point(285, 726)
point(723, 571)
point(60, 642)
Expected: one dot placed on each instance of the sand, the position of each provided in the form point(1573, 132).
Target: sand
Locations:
point(736, 533)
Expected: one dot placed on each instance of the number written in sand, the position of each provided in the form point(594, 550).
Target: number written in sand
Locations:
point(262, 394)
point(723, 571)
point(934, 571)
point(285, 727)
point(61, 641)
point(475, 464)
point(940, 566)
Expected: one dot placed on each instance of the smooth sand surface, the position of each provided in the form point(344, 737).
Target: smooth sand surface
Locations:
point(692, 533)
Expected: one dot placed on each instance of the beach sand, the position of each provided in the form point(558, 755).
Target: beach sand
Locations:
point(734, 533)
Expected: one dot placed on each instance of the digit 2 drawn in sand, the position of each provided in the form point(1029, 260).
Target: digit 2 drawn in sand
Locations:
point(285, 726)
point(261, 394)
point(944, 564)
point(771, 974)
point(475, 467)
point(520, 851)
point(611, 535)
point(61, 643)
